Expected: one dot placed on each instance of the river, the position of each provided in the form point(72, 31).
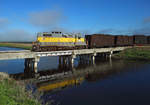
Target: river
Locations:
point(108, 82)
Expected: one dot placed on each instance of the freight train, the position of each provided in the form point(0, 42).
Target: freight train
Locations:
point(55, 41)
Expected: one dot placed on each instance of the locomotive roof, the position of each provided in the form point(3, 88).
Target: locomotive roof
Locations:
point(58, 34)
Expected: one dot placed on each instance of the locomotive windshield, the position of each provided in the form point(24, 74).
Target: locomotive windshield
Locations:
point(47, 34)
point(56, 34)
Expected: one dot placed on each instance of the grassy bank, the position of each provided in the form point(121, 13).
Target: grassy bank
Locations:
point(26, 46)
point(135, 53)
point(13, 92)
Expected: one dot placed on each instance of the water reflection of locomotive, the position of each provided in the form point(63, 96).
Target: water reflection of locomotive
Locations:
point(54, 41)
point(59, 84)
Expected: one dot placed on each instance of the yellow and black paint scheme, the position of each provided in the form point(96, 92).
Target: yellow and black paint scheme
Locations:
point(60, 84)
point(52, 41)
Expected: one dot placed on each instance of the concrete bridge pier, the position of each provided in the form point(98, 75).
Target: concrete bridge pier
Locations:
point(90, 59)
point(28, 65)
point(72, 60)
point(64, 61)
point(82, 59)
point(111, 52)
point(110, 61)
point(60, 65)
point(31, 64)
point(107, 55)
point(104, 55)
point(60, 60)
point(93, 58)
point(35, 63)
point(68, 61)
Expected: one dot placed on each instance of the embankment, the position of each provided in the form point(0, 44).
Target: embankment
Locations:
point(13, 92)
point(135, 53)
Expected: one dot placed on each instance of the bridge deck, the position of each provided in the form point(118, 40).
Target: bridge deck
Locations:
point(6, 55)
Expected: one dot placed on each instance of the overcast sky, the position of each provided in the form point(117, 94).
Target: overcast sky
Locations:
point(20, 20)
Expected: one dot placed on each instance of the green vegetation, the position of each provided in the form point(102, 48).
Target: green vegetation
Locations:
point(135, 53)
point(26, 46)
point(13, 92)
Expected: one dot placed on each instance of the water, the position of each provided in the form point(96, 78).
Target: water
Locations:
point(8, 49)
point(106, 83)
point(119, 85)
point(18, 65)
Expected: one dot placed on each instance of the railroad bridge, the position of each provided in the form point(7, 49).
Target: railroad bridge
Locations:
point(32, 58)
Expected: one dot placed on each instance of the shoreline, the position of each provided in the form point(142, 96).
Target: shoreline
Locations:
point(135, 53)
point(14, 93)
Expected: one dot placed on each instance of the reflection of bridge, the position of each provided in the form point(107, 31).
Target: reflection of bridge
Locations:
point(76, 77)
point(62, 68)
point(32, 58)
point(57, 79)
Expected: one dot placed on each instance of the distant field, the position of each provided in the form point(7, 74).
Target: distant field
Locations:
point(22, 45)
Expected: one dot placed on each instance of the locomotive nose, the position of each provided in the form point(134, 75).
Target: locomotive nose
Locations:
point(34, 48)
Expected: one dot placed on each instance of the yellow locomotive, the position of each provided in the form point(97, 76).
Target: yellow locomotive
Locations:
point(53, 41)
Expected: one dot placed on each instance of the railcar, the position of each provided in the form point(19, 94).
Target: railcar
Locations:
point(100, 40)
point(54, 41)
point(130, 38)
point(148, 39)
point(140, 39)
point(123, 40)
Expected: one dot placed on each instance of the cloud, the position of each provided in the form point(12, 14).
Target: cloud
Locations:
point(42, 20)
point(146, 20)
point(46, 19)
point(114, 31)
point(107, 31)
point(4, 22)
point(82, 31)
point(58, 29)
point(18, 35)
point(7, 34)
point(144, 28)
point(142, 31)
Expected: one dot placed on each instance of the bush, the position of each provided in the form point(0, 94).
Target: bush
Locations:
point(13, 93)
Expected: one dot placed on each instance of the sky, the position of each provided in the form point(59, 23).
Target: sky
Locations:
point(20, 20)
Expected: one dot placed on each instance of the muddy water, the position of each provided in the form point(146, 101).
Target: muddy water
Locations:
point(114, 82)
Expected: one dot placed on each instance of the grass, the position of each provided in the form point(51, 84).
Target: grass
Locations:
point(26, 46)
point(135, 53)
point(14, 93)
